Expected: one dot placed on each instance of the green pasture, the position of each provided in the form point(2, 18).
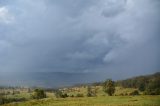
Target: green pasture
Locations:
point(140, 100)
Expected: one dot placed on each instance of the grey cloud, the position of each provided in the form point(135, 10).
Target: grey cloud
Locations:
point(71, 7)
point(114, 7)
point(76, 36)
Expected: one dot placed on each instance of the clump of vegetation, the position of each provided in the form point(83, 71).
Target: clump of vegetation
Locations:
point(149, 84)
point(72, 96)
point(1, 99)
point(65, 95)
point(153, 87)
point(90, 92)
point(79, 95)
point(109, 87)
point(135, 92)
point(60, 94)
point(4, 100)
point(39, 94)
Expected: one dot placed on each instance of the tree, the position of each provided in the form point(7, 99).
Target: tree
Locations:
point(109, 87)
point(91, 92)
point(153, 88)
point(141, 87)
point(39, 94)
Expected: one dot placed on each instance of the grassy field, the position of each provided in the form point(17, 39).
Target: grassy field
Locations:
point(83, 90)
point(94, 101)
point(102, 99)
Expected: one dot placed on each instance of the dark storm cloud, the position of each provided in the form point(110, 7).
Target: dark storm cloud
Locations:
point(80, 36)
point(114, 7)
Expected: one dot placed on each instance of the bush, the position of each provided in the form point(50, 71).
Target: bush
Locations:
point(90, 92)
point(152, 91)
point(72, 96)
point(79, 95)
point(121, 94)
point(59, 94)
point(39, 94)
point(1, 100)
point(64, 95)
point(135, 92)
point(9, 100)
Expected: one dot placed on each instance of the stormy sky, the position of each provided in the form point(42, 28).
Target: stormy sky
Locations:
point(80, 36)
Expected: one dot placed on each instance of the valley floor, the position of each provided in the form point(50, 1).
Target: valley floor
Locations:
point(141, 100)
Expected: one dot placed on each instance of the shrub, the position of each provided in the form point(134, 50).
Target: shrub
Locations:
point(79, 95)
point(9, 100)
point(1, 100)
point(152, 91)
point(72, 96)
point(135, 92)
point(121, 94)
point(39, 94)
point(64, 95)
point(59, 94)
point(90, 92)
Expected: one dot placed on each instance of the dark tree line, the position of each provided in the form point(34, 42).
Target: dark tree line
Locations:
point(148, 84)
